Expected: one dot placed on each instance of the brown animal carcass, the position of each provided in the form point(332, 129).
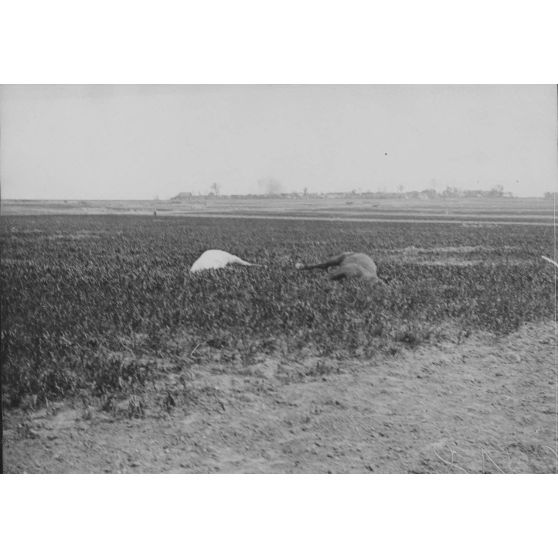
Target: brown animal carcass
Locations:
point(347, 265)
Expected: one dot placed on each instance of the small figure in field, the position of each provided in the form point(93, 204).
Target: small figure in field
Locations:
point(348, 264)
point(216, 259)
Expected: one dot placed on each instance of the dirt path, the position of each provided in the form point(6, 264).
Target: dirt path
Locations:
point(486, 405)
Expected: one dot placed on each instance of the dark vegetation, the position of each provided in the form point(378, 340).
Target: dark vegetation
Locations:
point(89, 304)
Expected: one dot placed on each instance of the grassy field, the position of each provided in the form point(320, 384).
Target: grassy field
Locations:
point(102, 323)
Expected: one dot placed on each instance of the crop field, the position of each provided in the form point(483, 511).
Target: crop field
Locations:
point(101, 318)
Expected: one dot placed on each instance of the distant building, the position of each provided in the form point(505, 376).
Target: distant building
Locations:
point(183, 196)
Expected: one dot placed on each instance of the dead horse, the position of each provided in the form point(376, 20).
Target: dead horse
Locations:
point(217, 259)
point(348, 264)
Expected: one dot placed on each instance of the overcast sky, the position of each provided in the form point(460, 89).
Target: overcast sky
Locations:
point(138, 142)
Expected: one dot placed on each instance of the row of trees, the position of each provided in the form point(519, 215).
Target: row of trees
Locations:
point(273, 188)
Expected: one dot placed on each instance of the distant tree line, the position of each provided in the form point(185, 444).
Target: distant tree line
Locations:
point(271, 188)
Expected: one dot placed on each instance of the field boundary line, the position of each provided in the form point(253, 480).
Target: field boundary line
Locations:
point(459, 222)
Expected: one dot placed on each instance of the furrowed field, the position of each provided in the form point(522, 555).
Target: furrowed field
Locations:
point(91, 304)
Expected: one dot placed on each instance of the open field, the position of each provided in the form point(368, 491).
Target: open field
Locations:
point(467, 210)
point(114, 359)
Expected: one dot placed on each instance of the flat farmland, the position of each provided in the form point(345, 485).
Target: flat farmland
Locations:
point(468, 210)
point(115, 359)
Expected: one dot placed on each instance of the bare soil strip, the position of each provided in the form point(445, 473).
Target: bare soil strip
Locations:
point(486, 405)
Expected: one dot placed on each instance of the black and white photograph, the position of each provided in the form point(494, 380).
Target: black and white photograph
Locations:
point(278, 278)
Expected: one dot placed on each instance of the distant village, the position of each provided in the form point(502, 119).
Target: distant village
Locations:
point(427, 194)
